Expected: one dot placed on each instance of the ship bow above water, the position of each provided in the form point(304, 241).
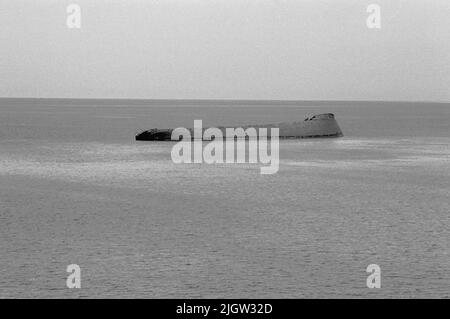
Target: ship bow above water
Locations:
point(317, 126)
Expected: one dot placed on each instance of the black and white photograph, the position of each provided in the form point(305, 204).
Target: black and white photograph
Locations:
point(196, 150)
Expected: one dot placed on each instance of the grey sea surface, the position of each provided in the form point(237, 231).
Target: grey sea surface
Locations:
point(75, 188)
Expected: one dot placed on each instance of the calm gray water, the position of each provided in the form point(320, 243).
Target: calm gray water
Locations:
point(76, 188)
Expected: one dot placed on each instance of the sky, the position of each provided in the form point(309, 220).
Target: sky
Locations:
point(226, 49)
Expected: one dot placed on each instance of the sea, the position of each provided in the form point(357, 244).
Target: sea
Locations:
point(76, 188)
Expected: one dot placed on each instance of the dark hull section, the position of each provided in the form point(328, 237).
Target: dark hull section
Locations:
point(154, 135)
point(317, 126)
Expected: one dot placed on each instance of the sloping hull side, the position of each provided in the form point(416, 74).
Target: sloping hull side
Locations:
point(307, 129)
point(314, 128)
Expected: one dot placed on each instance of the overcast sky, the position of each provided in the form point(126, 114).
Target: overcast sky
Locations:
point(226, 49)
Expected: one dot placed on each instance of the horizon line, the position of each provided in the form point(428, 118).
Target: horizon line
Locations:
point(223, 100)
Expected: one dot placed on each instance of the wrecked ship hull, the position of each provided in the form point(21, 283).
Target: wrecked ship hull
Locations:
point(317, 126)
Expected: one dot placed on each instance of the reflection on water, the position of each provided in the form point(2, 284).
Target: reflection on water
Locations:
point(141, 226)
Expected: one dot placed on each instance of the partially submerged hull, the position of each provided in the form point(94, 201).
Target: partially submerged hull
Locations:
point(321, 125)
